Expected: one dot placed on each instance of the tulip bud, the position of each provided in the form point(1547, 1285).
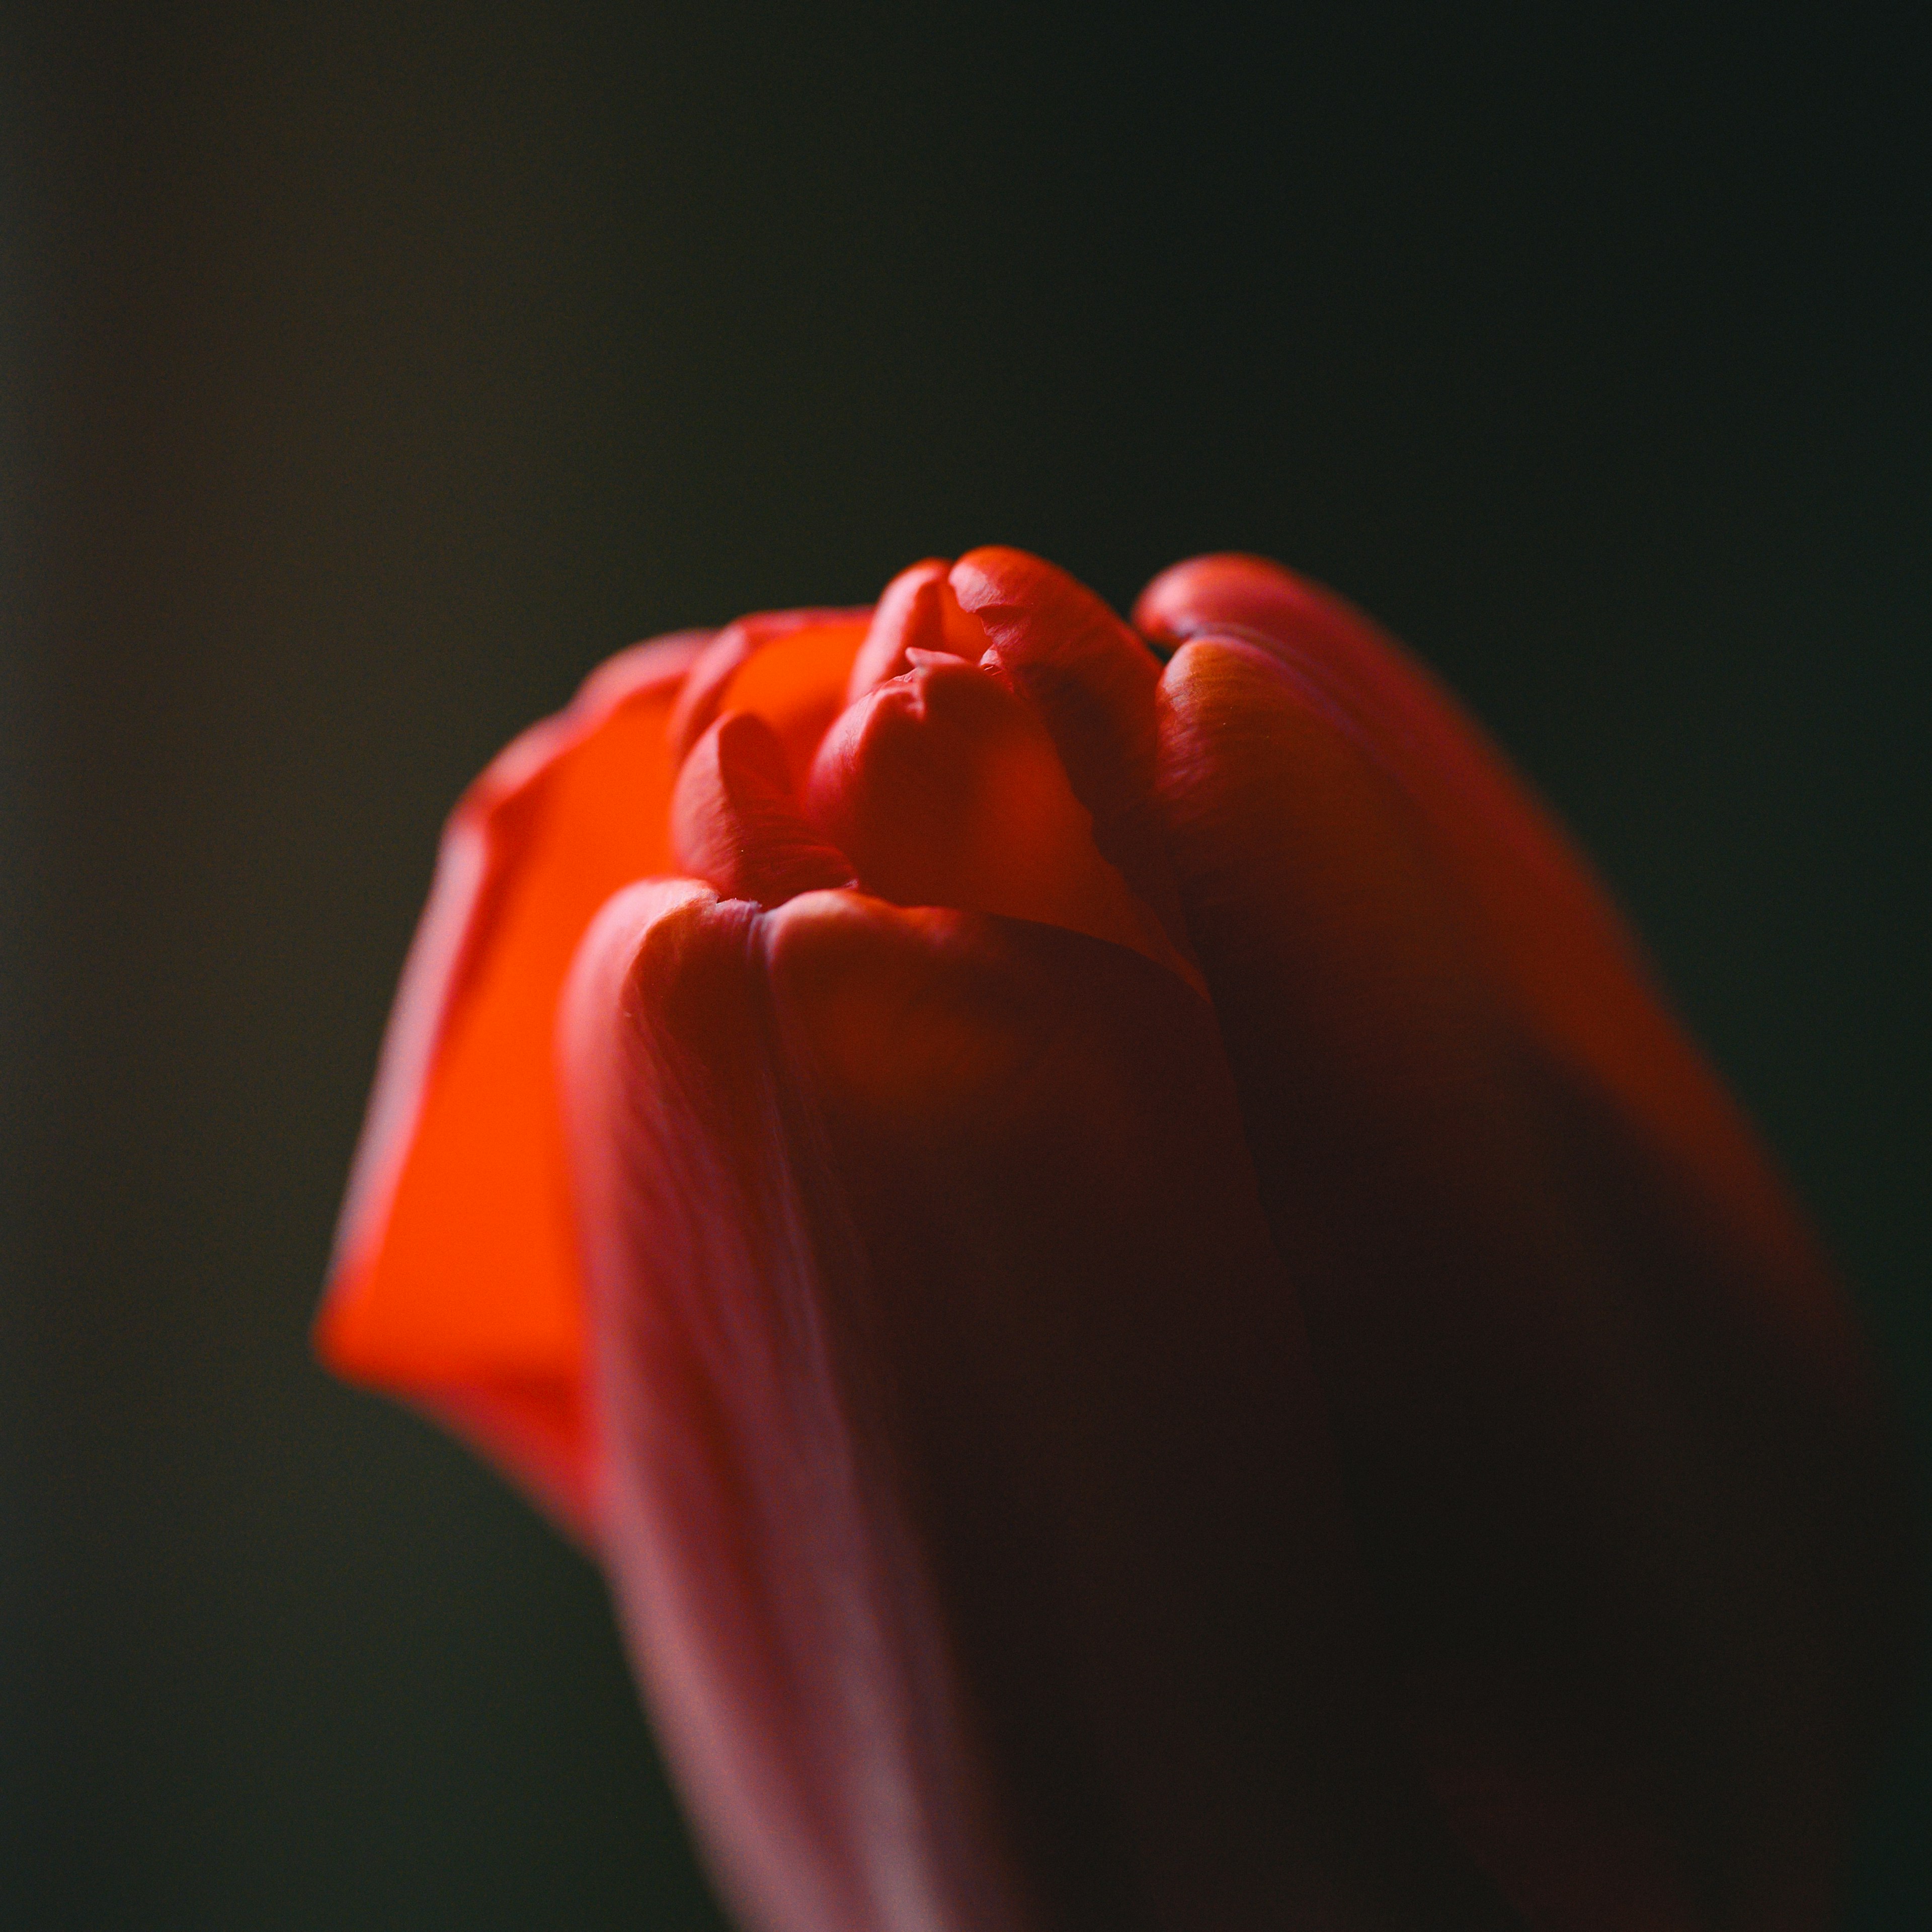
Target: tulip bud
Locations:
point(1151, 1320)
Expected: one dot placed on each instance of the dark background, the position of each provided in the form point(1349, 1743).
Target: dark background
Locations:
point(363, 383)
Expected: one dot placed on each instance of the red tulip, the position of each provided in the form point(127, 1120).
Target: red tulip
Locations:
point(1153, 1324)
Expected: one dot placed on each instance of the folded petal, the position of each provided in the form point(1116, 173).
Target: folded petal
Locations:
point(736, 824)
point(1091, 681)
point(917, 611)
point(789, 667)
point(1606, 1431)
point(971, 1510)
point(946, 790)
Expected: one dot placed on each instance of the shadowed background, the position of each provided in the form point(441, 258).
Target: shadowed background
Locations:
point(363, 382)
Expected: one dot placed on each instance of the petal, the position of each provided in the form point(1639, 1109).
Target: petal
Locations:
point(917, 610)
point(455, 1282)
point(1086, 673)
point(1091, 682)
point(1554, 933)
point(736, 824)
point(1506, 848)
point(1229, 593)
point(1605, 1427)
point(1388, 704)
point(972, 1514)
point(945, 790)
point(788, 667)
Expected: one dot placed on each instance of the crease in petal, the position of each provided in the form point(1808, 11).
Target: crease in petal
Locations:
point(1606, 1430)
point(736, 823)
point(945, 789)
point(453, 1282)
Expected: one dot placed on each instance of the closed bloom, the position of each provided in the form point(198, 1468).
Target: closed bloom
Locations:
point(1103, 1232)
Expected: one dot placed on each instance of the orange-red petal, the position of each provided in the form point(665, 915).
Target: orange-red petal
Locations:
point(972, 1513)
point(455, 1282)
point(789, 667)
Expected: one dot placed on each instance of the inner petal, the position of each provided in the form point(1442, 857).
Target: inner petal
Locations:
point(1091, 681)
point(918, 610)
point(944, 789)
point(788, 666)
point(736, 823)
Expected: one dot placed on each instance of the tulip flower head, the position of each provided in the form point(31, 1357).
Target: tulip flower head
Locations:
point(1102, 1230)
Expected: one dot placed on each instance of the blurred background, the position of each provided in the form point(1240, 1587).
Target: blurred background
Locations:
point(365, 379)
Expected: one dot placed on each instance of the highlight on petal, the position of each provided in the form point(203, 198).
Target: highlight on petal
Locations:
point(455, 1280)
point(1605, 1428)
point(736, 823)
point(972, 1515)
point(946, 790)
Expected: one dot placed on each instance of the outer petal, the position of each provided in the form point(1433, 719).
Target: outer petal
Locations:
point(454, 1283)
point(1570, 964)
point(972, 1516)
point(1606, 1429)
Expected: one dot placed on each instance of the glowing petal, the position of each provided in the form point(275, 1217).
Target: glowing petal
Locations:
point(455, 1282)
